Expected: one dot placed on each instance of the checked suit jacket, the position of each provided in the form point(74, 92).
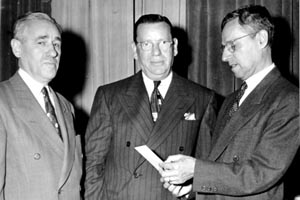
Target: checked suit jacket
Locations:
point(254, 149)
point(121, 120)
point(34, 163)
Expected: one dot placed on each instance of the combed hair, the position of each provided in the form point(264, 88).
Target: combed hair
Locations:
point(255, 16)
point(150, 19)
point(20, 24)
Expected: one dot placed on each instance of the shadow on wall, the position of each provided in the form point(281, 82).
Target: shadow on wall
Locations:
point(291, 178)
point(184, 56)
point(70, 78)
point(282, 48)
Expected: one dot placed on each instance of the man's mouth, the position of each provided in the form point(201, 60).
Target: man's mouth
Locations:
point(157, 62)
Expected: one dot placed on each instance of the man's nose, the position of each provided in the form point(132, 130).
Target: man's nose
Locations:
point(226, 54)
point(53, 52)
point(156, 49)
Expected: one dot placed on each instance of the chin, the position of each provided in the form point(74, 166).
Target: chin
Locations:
point(51, 74)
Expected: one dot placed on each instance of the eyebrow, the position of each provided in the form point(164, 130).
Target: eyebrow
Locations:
point(43, 37)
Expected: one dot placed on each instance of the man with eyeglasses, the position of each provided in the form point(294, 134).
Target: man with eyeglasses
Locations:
point(124, 115)
point(257, 130)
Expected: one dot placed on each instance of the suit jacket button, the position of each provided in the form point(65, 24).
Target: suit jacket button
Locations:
point(136, 175)
point(128, 144)
point(37, 156)
point(235, 158)
point(181, 148)
point(214, 189)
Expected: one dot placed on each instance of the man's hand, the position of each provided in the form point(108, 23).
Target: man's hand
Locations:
point(177, 169)
point(178, 190)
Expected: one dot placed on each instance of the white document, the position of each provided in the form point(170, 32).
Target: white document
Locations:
point(147, 153)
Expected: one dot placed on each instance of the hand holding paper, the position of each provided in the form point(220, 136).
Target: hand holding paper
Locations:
point(156, 162)
point(178, 169)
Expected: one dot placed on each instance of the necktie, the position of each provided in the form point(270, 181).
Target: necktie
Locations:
point(156, 101)
point(239, 95)
point(50, 111)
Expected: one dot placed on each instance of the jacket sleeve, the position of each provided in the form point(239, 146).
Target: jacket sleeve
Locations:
point(97, 142)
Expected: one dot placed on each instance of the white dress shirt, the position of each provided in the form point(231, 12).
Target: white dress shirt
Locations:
point(36, 88)
point(254, 80)
point(163, 86)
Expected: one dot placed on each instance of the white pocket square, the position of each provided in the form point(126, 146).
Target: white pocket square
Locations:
point(189, 116)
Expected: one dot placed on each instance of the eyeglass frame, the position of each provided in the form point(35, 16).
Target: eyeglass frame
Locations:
point(232, 46)
point(170, 43)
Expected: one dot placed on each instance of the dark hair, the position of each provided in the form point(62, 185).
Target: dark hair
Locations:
point(20, 24)
point(255, 16)
point(151, 18)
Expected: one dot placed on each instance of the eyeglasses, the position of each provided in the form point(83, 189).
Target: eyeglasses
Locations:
point(148, 45)
point(231, 47)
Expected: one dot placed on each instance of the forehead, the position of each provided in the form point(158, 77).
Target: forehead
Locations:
point(41, 29)
point(233, 30)
point(153, 31)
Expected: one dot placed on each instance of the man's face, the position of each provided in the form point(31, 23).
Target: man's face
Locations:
point(246, 57)
point(39, 50)
point(156, 62)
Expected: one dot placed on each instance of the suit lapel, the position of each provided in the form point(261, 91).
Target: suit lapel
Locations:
point(30, 110)
point(177, 102)
point(65, 119)
point(248, 109)
point(135, 102)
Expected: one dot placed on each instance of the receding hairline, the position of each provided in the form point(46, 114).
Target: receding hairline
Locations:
point(23, 21)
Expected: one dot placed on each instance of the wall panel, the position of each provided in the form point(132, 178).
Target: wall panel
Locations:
point(105, 28)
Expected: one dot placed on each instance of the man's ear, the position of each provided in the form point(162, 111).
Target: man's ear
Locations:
point(262, 37)
point(175, 45)
point(16, 47)
point(134, 50)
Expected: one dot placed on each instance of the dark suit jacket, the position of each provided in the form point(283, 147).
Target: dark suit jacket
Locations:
point(255, 148)
point(121, 120)
point(34, 163)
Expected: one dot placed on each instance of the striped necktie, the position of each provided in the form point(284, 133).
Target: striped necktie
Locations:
point(156, 101)
point(50, 111)
point(239, 95)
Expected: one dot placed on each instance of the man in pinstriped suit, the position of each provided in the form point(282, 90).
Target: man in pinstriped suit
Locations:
point(121, 120)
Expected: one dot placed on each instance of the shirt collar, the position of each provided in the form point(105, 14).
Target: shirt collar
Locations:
point(33, 85)
point(255, 79)
point(163, 87)
point(36, 88)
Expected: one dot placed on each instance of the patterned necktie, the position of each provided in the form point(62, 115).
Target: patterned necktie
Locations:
point(50, 111)
point(239, 95)
point(156, 101)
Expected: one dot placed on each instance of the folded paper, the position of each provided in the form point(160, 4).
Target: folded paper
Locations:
point(149, 155)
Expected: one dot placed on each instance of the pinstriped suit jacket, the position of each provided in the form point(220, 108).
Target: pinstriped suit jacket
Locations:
point(121, 120)
point(255, 148)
